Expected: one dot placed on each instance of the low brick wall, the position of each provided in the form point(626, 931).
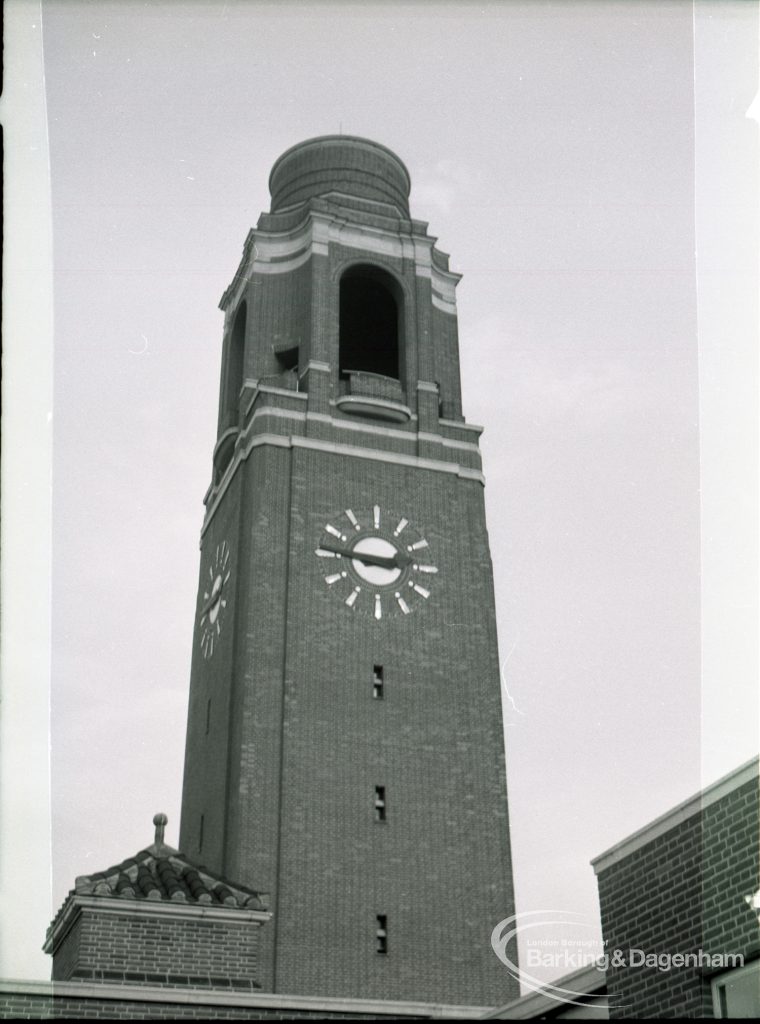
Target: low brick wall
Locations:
point(32, 1000)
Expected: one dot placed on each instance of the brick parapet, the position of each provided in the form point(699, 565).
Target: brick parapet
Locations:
point(147, 942)
point(74, 999)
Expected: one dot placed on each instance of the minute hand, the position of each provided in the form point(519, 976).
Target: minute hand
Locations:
point(397, 561)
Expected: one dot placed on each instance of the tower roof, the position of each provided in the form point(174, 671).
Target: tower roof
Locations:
point(161, 873)
point(345, 164)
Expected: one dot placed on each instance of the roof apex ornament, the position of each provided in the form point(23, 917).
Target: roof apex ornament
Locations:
point(160, 821)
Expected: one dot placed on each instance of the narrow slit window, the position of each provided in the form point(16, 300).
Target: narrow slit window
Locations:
point(377, 682)
point(381, 935)
point(379, 803)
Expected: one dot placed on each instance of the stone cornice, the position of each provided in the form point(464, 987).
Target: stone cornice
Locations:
point(270, 252)
point(256, 440)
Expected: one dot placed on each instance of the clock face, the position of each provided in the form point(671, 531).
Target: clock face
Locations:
point(375, 562)
point(214, 591)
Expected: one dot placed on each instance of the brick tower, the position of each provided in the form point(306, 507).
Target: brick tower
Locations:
point(344, 745)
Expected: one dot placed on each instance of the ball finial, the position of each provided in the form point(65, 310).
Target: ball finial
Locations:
point(160, 820)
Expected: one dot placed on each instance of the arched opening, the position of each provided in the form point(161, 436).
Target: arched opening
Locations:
point(233, 371)
point(369, 322)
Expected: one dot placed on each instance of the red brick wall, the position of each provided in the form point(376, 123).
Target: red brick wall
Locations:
point(310, 744)
point(67, 956)
point(206, 775)
point(438, 867)
point(731, 870)
point(34, 1007)
point(126, 947)
point(682, 892)
point(281, 305)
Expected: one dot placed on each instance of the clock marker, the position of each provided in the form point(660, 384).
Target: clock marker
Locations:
point(352, 519)
point(334, 577)
point(376, 513)
point(426, 568)
point(326, 554)
point(378, 607)
point(402, 604)
point(401, 524)
point(417, 545)
point(350, 600)
point(421, 591)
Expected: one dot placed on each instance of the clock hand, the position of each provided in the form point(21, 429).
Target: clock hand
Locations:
point(359, 556)
point(211, 602)
point(397, 561)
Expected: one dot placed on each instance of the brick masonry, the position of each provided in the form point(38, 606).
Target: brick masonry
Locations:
point(38, 1001)
point(141, 948)
point(682, 892)
point(285, 742)
point(41, 1008)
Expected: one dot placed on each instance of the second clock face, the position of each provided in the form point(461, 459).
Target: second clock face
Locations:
point(376, 562)
point(214, 597)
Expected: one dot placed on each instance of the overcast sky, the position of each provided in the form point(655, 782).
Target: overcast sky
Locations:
point(567, 161)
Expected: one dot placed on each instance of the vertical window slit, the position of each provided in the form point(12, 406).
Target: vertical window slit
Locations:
point(379, 803)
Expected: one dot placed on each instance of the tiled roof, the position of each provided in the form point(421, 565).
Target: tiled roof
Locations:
point(161, 873)
point(166, 874)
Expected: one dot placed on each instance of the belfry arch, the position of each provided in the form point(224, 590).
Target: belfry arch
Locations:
point(371, 322)
point(232, 380)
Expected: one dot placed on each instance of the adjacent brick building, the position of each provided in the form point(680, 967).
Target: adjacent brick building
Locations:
point(687, 885)
point(157, 919)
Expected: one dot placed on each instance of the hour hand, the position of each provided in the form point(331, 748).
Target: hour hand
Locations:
point(397, 561)
point(210, 603)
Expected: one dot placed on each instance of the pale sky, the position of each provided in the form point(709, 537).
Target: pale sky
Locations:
point(571, 158)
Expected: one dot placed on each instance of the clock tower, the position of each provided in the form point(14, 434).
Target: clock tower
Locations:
point(345, 746)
